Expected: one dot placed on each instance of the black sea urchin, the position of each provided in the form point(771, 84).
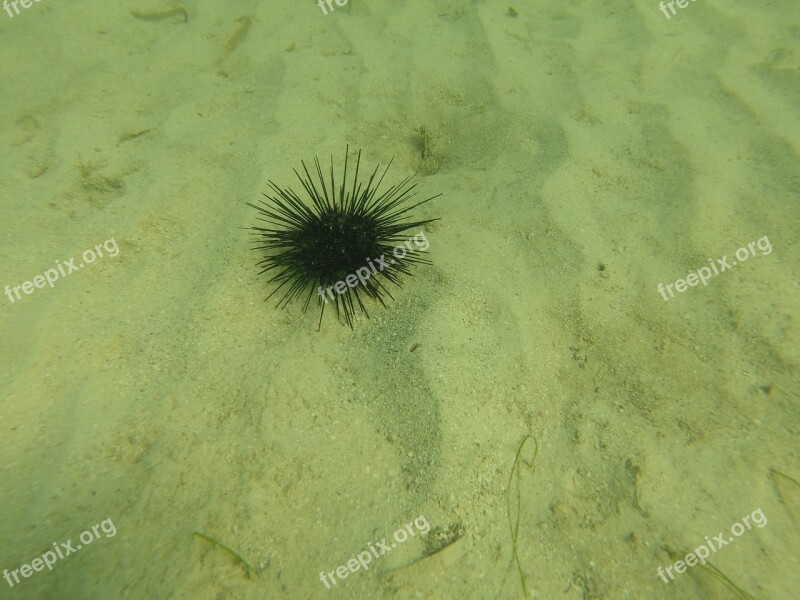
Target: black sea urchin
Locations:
point(344, 244)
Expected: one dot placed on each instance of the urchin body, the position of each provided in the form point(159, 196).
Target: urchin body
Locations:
point(313, 249)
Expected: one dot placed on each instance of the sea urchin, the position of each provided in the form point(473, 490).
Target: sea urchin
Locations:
point(345, 244)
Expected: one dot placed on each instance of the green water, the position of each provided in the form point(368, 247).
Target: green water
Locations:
point(596, 376)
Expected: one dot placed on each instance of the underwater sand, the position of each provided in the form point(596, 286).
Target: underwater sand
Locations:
point(586, 152)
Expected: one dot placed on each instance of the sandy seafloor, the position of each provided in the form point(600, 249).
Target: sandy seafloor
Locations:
point(586, 152)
